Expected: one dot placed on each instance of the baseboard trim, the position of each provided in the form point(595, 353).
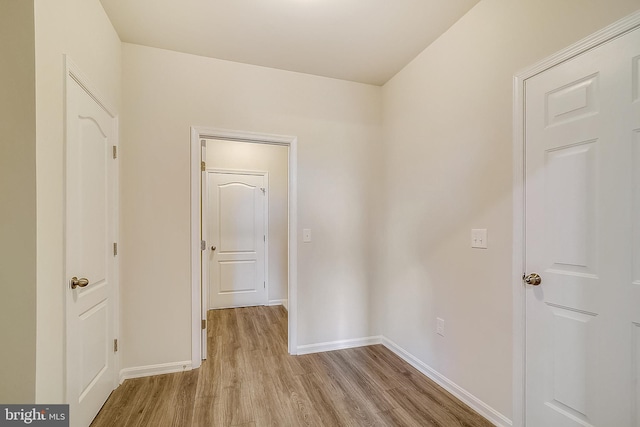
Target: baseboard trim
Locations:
point(469, 399)
point(338, 345)
point(282, 302)
point(149, 370)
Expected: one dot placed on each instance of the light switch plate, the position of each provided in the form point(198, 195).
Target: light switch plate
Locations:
point(440, 326)
point(479, 238)
point(306, 235)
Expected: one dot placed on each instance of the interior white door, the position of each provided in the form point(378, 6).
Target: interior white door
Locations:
point(90, 235)
point(236, 239)
point(583, 238)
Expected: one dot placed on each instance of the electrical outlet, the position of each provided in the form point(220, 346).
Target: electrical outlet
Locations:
point(440, 326)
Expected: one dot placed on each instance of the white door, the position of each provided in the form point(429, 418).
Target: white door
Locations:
point(236, 242)
point(583, 238)
point(90, 236)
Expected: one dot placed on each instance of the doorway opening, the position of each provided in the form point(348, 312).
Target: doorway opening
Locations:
point(208, 164)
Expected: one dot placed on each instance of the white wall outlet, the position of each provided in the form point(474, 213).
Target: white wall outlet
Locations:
point(306, 235)
point(479, 238)
point(440, 326)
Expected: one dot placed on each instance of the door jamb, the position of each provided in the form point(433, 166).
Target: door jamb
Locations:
point(198, 134)
point(598, 38)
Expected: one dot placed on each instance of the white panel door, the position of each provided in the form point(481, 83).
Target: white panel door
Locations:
point(236, 239)
point(583, 238)
point(90, 234)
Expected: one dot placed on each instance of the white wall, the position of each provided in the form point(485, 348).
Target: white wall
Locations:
point(81, 29)
point(234, 155)
point(448, 169)
point(338, 127)
point(17, 203)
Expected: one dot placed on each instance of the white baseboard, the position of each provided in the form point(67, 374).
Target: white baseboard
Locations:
point(338, 345)
point(282, 302)
point(146, 371)
point(469, 399)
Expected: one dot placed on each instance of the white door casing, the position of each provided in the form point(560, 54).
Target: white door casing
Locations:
point(91, 230)
point(235, 214)
point(582, 235)
point(199, 136)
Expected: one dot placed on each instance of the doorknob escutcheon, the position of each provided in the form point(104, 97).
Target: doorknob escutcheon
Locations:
point(532, 279)
point(75, 282)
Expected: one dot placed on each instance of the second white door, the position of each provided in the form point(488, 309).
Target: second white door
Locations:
point(236, 240)
point(582, 235)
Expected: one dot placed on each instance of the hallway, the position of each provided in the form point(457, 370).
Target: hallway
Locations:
point(250, 380)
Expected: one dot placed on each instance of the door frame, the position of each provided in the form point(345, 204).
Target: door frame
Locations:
point(72, 71)
point(205, 229)
point(198, 135)
point(598, 38)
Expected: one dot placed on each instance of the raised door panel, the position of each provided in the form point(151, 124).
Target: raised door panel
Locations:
point(570, 186)
point(238, 276)
point(572, 340)
point(236, 202)
point(573, 101)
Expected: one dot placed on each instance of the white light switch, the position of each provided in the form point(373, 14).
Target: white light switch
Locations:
point(479, 238)
point(306, 235)
point(440, 326)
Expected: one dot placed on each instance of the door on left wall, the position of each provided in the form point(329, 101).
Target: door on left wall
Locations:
point(91, 224)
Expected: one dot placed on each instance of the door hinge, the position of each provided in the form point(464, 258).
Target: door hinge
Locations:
point(264, 238)
point(203, 245)
point(264, 285)
point(203, 166)
point(115, 152)
point(115, 345)
point(204, 324)
point(115, 249)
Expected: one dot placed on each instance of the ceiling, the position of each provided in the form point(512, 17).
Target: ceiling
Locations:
point(366, 41)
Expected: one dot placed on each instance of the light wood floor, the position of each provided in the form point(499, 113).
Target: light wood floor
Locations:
point(250, 380)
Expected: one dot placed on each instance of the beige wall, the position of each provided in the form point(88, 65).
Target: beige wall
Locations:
point(17, 203)
point(81, 29)
point(391, 239)
point(338, 128)
point(448, 169)
point(233, 155)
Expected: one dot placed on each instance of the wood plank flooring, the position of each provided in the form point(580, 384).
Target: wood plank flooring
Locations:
point(250, 380)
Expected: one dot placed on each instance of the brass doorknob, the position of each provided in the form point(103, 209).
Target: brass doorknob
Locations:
point(532, 279)
point(75, 282)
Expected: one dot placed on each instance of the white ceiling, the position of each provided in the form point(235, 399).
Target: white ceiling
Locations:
point(366, 41)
